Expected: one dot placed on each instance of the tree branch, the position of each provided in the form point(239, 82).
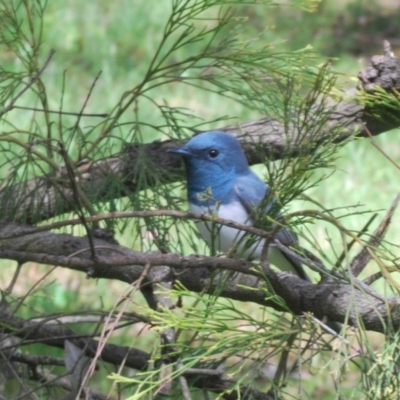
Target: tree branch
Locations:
point(134, 358)
point(40, 198)
point(55, 336)
point(336, 301)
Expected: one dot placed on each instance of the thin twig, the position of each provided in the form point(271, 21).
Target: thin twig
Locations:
point(80, 198)
point(316, 265)
point(10, 106)
point(97, 248)
point(372, 278)
point(280, 373)
point(169, 337)
point(84, 106)
point(352, 242)
point(36, 284)
point(70, 319)
point(326, 328)
point(181, 215)
point(184, 385)
point(111, 320)
point(309, 259)
point(36, 360)
point(29, 147)
point(65, 383)
point(141, 214)
point(201, 371)
point(75, 114)
point(376, 145)
point(14, 278)
point(17, 377)
point(364, 256)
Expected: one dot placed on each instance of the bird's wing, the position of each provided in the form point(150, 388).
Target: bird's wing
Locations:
point(255, 196)
point(289, 239)
point(251, 192)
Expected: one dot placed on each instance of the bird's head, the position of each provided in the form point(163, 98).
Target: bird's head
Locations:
point(212, 159)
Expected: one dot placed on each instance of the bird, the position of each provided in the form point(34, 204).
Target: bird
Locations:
point(220, 182)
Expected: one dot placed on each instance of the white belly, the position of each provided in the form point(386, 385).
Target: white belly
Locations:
point(222, 238)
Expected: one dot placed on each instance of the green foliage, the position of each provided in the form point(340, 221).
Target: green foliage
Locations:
point(215, 334)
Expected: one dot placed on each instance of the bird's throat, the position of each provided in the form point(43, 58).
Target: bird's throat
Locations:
point(209, 195)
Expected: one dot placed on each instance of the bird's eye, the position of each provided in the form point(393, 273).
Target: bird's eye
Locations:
point(213, 153)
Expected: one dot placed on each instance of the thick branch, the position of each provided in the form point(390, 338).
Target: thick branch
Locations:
point(45, 196)
point(56, 335)
point(134, 358)
point(333, 300)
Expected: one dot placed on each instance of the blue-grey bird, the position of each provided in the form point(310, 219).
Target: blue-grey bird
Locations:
point(220, 182)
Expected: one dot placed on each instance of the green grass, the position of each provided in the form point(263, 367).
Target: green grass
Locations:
point(118, 38)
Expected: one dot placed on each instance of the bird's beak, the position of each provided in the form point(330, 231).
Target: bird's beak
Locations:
point(182, 151)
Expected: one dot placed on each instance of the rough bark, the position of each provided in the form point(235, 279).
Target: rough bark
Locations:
point(47, 196)
point(336, 301)
point(55, 336)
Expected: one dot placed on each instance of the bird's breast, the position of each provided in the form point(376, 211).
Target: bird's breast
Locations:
point(224, 238)
point(221, 237)
point(233, 211)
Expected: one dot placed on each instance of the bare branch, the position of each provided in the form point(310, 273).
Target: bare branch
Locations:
point(375, 144)
point(353, 241)
point(364, 256)
point(56, 335)
point(75, 114)
point(14, 279)
point(134, 358)
point(334, 300)
point(137, 214)
point(36, 360)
